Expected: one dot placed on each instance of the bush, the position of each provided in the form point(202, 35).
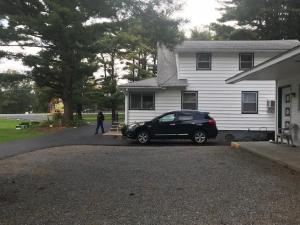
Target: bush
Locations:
point(124, 130)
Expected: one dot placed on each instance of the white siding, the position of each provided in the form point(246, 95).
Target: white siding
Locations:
point(295, 112)
point(223, 101)
point(165, 100)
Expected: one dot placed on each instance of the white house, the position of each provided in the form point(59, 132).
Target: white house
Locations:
point(285, 70)
point(193, 75)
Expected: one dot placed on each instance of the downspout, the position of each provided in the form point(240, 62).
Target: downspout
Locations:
point(126, 106)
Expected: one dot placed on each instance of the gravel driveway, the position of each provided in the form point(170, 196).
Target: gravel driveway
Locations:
point(145, 186)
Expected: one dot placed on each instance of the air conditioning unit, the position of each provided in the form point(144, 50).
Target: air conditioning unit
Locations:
point(271, 106)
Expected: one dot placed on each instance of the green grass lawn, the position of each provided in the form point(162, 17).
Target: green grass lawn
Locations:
point(93, 117)
point(8, 131)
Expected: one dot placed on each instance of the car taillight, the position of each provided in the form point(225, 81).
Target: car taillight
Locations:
point(211, 122)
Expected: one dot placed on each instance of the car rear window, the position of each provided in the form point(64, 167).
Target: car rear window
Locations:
point(185, 117)
point(201, 116)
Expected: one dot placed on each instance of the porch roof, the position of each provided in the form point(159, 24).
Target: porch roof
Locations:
point(283, 66)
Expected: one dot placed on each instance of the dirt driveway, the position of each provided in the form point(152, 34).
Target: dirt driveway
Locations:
point(146, 185)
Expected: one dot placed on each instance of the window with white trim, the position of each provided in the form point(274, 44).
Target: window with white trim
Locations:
point(246, 61)
point(189, 100)
point(250, 102)
point(203, 61)
point(142, 101)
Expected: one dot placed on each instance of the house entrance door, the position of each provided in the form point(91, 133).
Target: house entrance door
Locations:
point(286, 110)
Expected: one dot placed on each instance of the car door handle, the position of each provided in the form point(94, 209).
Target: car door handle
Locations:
point(172, 124)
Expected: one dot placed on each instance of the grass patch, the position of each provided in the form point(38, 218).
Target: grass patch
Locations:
point(8, 131)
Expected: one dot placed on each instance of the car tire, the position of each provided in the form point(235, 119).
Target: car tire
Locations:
point(143, 137)
point(200, 137)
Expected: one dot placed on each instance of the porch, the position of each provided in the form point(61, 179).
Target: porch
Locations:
point(279, 153)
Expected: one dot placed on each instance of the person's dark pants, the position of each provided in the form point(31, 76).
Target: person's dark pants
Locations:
point(99, 124)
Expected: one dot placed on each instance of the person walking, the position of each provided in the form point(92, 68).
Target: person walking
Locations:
point(100, 119)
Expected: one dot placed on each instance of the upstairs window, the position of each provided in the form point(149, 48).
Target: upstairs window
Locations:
point(250, 102)
point(246, 61)
point(141, 101)
point(189, 100)
point(203, 61)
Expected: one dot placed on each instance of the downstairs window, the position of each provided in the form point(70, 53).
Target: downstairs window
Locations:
point(189, 100)
point(250, 102)
point(142, 101)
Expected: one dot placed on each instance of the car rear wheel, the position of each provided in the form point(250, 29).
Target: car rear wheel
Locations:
point(200, 137)
point(143, 137)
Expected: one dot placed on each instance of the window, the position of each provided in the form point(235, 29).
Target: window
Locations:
point(249, 102)
point(189, 100)
point(185, 117)
point(167, 118)
point(203, 61)
point(246, 61)
point(142, 101)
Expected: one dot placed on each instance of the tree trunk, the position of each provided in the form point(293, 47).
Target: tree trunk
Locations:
point(79, 111)
point(68, 108)
point(113, 114)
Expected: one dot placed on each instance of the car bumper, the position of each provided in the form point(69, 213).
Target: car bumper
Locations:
point(131, 134)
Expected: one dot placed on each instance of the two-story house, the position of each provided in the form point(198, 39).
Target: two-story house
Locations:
point(193, 75)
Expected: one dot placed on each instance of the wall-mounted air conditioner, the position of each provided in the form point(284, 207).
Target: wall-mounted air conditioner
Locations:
point(271, 106)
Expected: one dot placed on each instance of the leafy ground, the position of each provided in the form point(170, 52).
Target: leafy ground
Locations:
point(8, 131)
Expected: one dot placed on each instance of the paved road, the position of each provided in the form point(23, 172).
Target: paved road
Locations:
point(69, 136)
point(80, 136)
point(146, 185)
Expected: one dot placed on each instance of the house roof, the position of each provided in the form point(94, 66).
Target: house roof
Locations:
point(237, 46)
point(270, 69)
point(148, 83)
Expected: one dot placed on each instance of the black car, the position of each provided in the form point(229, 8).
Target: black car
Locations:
point(195, 125)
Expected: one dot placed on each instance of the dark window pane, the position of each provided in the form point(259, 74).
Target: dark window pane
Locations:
point(190, 106)
point(246, 60)
point(246, 65)
point(204, 57)
point(249, 107)
point(148, 101)
point(135, 101)
point(203, 61)
point(249, 102)
point(246, 57)
point(189, 97)
point(203, 65)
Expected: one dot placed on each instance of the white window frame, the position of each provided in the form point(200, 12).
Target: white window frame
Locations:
point(142, 94)
point(240, 60)
point(183, 92)
point(256, 102)
point(198, 61)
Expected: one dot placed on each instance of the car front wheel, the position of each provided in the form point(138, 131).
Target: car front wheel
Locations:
point(143, 137)
point(200, 137)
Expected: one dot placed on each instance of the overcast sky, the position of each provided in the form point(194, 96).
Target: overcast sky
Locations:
point(198, 12)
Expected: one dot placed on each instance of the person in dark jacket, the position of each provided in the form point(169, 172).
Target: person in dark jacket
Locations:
point(100, 119)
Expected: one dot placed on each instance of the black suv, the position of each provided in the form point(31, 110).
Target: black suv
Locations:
point(195, 125)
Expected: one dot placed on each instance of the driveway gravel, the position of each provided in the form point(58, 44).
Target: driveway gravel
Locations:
point(211, 185)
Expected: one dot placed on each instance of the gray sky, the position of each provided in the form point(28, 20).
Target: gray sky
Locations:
point(198, 12)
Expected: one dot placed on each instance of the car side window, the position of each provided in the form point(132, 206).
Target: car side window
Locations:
point(167, 118)
point(185, 117)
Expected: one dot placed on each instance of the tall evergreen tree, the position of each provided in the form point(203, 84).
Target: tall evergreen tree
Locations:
point(269, 19)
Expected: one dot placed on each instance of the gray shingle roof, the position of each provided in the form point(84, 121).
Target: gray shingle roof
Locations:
point(236, 46)
point(148, 83)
